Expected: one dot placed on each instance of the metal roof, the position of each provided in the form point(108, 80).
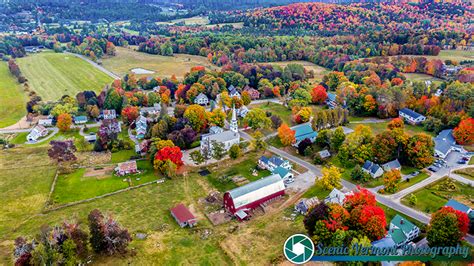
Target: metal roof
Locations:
point(410, 113)
point(402, 223)
point(457, 206)
point(182, 213)
point(304, 131)
point(250, 187)
point(223, 136)
point(395, 164)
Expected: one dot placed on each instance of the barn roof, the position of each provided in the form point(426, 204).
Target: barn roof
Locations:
point(410, 113)
point(182, 214)
point(457, 206)
point(250, 187)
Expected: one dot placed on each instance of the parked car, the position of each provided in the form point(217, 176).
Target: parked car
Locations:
point(289, 181)
point(433, 169)
point(415, 173)
point(462, 162)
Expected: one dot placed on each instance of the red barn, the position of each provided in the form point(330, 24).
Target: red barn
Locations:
point(247, 197)
point(183, 216)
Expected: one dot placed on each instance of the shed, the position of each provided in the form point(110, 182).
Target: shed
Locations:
point(80, 119)
point(183, 216)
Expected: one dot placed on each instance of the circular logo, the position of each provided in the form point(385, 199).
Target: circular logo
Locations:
point(298, 249)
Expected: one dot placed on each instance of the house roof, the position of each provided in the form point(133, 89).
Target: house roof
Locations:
point(395, 164)
point(457, 206)
point(126, 166)
point(444, 141)
point(371, 167)
point(264, 159)
point(305, 204)
point(304, 131)
point(80, 118)
point(154, 108)
point(201, 96)
point(336, 196)
point(182, 214)
point(324, 154)
point(402, 223)
point(109, 112)
point(276, 160)
point(331, 96)
point(215, 129)
point(386, 242)
point(397, 235)
point(282, 172)
point(410, 113)
point(223, 136)
point(250, 187)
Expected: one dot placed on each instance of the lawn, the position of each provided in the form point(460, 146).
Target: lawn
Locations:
point(53, 75)
point(420, 177)
point(390, 213)
point(77, 186)
point(435, 196)
point(316, 191)
point(466, 172)
point(12, 98)
point(382, 126)
point(122, 156)
point(127, 59)
point(421, 77)
point(222, 173)
point(277, 109)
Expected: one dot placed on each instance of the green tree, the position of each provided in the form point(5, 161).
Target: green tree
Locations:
point(218, 150)
point(257, 119)
point(337, 138)
point(413, 199)
point(258, 142)
point(197, 157)
point(113, 100)
point(234, 151)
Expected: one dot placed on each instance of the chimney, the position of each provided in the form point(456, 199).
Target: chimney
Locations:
point(401, 221)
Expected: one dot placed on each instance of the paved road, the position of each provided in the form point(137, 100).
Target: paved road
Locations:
point(94, 64)
point(462, 179)
point(388, 201)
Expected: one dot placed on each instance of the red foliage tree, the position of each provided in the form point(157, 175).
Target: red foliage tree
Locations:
point(129, 114)
point(318, 94)
point(173, 154)
point(361, 197)
point(464, 132)
point(395, 123)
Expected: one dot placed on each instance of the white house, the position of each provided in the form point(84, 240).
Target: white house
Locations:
point(372, 168)
point(45, 122)
point(445, 143)
point(109, 114)
point(141, 127)
point(38, 132)
point(153, 110)
point(411, 116)
point(243, 111)
point(273, 162)
point(227, 138)
point(402, 231)
point(201, 99)
point(233, 92)
point(336, 196)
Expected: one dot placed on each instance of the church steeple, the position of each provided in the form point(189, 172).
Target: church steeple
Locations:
point(233, 123)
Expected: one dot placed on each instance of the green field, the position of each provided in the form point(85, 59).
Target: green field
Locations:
point(127, 59)
point(466, 172)
point(435, 196)
point(277, 109)
point(319, 71)
point(421, 77)
point(382, 126)
point(53, 75)
point(12, 98)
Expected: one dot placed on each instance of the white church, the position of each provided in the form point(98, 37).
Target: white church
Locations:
point(228, 137)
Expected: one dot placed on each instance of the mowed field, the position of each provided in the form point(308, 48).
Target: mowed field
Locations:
point(53, 75)
point(457, 55)
point(12, 98)
point(127, 59)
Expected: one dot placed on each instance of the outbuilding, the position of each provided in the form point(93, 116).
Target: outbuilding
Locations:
point(252, 195)
point(183, 216)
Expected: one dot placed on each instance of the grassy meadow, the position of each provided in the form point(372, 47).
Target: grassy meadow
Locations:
point(53, 75)
point(127, 59)
point(12, 98)
point(319, 71)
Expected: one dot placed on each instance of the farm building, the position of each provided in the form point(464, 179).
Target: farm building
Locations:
point(324, 154)
point(126, 168)
point(273, 162)
point(252, 195)
point(45, 122)
point(183, 216)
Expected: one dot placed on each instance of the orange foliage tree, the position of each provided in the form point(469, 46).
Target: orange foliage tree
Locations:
point(64, 122)
point(464, 132)
point(286, 135)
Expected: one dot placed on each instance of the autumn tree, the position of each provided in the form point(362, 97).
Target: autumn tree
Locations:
point(257, 119)
point(258, 142)
point(217, 117)
point(62, 151)
point(419, 150)
point(106, 234)
point(447, 227)
point(464, 132)
point(197, 157)
point(64, 122)
point(395, 123)
point(391, 179)
point(234, 151)
point(331, 177)
point(318, 94)
point(286, 135)
point(196, 116)
point(337, 138)
point(129, 114)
